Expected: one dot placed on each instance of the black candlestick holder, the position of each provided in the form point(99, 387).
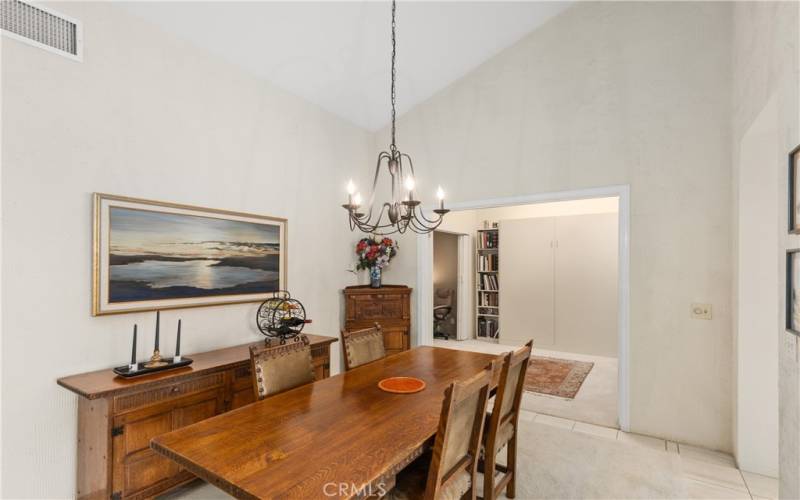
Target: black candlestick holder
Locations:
point(156, 363)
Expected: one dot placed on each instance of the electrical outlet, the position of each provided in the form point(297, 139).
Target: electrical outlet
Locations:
point(701, 311)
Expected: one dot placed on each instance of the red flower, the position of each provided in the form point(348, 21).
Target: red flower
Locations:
point(387, 242)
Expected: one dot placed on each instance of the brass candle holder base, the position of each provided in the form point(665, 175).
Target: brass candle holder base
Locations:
point(155, 361)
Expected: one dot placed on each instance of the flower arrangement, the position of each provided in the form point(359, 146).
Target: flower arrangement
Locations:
point(374, 252)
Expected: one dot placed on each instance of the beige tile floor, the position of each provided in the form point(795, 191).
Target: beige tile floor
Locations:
point(689, 472)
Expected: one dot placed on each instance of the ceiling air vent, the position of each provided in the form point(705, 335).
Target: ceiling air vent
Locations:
point(41, 27)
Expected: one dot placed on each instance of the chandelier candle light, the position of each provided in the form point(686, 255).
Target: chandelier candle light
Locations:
point(400, 213)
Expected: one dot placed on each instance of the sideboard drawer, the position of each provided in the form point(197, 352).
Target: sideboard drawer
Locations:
point(166, 392)
point(242, 377)
point(367, 308)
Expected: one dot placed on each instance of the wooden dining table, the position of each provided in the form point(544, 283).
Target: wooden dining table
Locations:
point(341, 437)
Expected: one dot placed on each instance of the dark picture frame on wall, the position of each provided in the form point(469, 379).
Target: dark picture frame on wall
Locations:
point(793, 291)
point(794, 189)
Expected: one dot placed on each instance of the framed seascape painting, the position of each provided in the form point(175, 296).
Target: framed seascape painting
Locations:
point(150, 255)
point(793, 291)
point(794, 190)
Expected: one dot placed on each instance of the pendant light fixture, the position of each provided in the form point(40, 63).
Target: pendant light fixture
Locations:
point(403, 211)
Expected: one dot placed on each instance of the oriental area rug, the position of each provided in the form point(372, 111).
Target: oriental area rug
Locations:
point(556, 377)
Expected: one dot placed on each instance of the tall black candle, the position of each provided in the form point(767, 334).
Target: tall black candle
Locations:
point(178, 343)
point(133, 350)
point(158, 322)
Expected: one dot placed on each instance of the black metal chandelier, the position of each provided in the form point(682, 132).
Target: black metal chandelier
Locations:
point(402, 212)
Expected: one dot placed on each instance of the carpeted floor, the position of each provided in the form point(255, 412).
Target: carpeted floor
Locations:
point(595, 402)
point(558, 463)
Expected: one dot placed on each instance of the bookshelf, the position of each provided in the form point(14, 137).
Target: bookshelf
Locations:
point(487, 285)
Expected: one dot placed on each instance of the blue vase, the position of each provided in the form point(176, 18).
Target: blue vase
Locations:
point(375, 277)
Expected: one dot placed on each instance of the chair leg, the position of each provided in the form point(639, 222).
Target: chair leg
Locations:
point(488, 475)
point(511, 451)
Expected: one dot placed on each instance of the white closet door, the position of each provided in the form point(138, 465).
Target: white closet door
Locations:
point(586, 284)
point(526, 281)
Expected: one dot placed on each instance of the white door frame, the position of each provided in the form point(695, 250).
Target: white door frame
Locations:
point(464, 248)
point(424, 293)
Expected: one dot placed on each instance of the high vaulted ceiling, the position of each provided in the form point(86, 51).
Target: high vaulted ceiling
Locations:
point(336, 54)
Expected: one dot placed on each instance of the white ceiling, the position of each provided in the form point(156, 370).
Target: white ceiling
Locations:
point(336, 54)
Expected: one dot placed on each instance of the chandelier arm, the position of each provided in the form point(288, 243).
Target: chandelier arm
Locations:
point(381, 155)
point(410, 164)
point(367, 226)
point(420, 225)
point(429, 221)
point(421, 229)
point(366, 220)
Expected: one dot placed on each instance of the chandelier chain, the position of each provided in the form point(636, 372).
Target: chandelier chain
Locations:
point(394, 72)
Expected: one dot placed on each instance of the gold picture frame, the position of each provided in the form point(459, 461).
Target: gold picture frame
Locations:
point(173, 256)
point(794, 191)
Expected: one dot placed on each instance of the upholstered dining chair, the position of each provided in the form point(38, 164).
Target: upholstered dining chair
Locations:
point(280, 367)
point(501, 426)
point(362, 346)
point(449, 471)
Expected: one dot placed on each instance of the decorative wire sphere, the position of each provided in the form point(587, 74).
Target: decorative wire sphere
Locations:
point(281, 317)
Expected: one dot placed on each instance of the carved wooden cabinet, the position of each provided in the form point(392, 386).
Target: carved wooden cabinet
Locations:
point(118, 417)
point(389, 306)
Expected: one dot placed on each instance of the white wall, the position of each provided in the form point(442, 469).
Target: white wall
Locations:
point(608, 94)
point(758, 307)
point(766, 74)
point(145, 115)
point(551, 209)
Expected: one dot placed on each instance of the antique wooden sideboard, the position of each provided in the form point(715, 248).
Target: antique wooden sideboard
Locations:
point(389, 306)
point(118, 417)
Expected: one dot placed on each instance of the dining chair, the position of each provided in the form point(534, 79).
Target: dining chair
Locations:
point(449, 471)
point(501, 425)
point(362, 346)
point(280, 367)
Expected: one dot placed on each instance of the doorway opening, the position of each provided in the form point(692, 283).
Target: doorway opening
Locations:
point(550, 267)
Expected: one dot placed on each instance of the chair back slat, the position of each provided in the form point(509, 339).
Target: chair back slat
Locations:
point(454, 461)
point(509, 390)
point(502, 427)
point(280, 367)
point(362, 346)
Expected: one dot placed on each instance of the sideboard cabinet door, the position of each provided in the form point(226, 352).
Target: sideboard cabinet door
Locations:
point(388, 306)
point(138, 472)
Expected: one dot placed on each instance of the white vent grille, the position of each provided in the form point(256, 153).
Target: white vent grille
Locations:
point(41, 27)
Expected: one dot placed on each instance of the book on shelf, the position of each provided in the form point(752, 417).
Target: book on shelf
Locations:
point(488, 327)
point(490, 262)
point(488, 239)
point(488, 300)
point(488, 282)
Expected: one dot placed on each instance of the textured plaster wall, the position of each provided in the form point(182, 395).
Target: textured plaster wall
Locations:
point(612, 93)
point(149, 116)
point(766, 67)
